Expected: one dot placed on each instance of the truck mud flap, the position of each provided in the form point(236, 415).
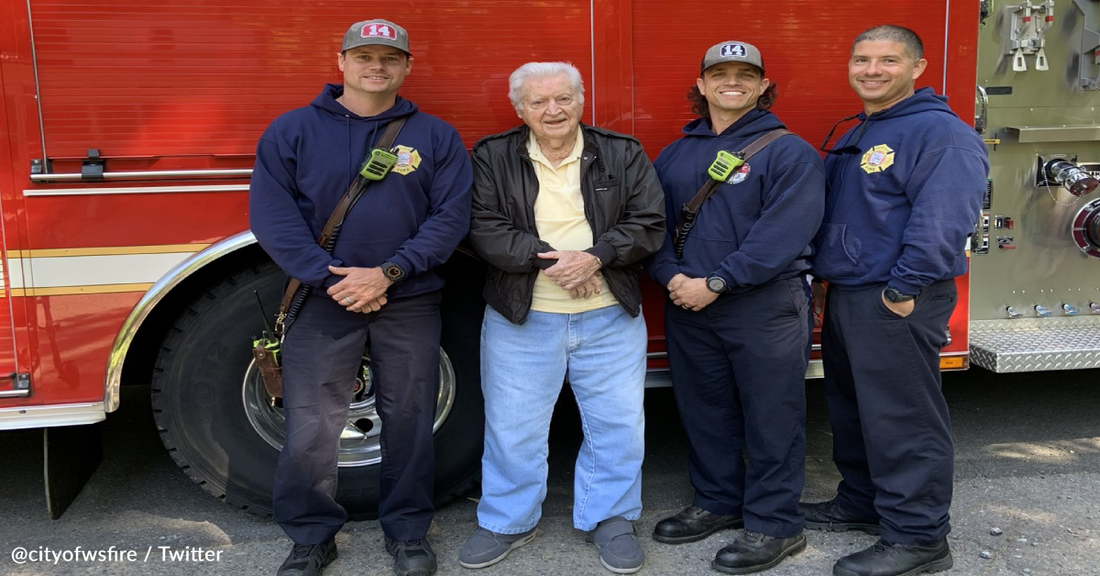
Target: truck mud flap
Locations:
point(71, 455)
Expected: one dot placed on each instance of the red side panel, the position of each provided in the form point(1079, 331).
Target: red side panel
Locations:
point(805, 44)
point(18, 129)
point(205, 77)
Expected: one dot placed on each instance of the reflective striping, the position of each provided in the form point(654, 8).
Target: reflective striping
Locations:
point(955, 362)
point(15, 274)
point(107, 251)
point(95, 270)
point(17, 417)
point(75, 273)
point(134, 190)
point(98, 289)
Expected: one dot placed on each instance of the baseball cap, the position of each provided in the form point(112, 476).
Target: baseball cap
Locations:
point(382, 32)
point(732, 51)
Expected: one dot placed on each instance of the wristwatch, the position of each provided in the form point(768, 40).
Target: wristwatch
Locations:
point(894, 296)
point(393, 272)
point(716, 284)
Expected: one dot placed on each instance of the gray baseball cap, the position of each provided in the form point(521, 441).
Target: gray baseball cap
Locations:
point(381, 32)
point(732, 51)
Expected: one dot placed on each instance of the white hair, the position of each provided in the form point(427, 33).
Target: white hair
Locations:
point(518, 80)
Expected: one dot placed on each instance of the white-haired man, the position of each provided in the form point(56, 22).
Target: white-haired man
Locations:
point(562, 213)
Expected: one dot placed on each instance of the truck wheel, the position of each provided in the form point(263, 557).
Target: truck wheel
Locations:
point(221, 427)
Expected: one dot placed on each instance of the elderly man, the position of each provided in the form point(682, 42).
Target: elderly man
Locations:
point(562, 213)
point(738, 321)
point(377, 286)
point(904, 189)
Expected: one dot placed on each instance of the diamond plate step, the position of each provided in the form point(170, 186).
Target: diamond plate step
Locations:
point(1036, 344)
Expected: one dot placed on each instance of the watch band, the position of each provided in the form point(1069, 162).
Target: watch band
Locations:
point(393, 272)
point(894, 296)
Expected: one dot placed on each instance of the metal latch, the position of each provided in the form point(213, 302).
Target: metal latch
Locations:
point(21, 386)
point(92, 168)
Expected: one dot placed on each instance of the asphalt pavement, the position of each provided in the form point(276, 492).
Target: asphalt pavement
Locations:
point(1027, 497)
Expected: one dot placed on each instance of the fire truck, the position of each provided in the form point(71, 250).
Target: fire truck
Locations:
point(127, 140)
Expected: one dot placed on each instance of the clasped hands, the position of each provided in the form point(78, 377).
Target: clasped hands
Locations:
point(361, 290)
point(690, 293)
point(575, 271)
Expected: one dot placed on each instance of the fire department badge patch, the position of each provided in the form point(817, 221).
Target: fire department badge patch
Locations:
point(739, 176)
point(877, 159)
point(408, 160)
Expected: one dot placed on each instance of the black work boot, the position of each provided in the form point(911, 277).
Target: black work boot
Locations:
point(753, 552)
point(829, 515)
point(886, 558)
point(308, 559)
point(411, 557)
point(692, 525)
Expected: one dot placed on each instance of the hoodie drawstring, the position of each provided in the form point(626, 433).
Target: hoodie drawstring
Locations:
point(849, 149)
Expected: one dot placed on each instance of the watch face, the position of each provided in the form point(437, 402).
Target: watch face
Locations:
point(393, 272)
point(716, 284)
point(895, 296)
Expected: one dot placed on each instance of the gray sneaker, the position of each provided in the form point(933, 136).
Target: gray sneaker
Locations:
point(618, 545)
point(486, 547)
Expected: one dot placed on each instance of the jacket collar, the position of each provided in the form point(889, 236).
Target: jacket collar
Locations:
point(520, 135)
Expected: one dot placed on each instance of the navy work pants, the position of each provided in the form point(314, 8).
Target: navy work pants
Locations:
point(739, 376)
point(322, 353)
point(891, 429)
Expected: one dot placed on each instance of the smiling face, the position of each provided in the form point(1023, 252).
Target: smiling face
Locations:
point(551, 107)
point(732, 88)
point(882, 73)
point(374, 70)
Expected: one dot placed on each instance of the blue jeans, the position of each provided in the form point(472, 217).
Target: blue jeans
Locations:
point(522, 371)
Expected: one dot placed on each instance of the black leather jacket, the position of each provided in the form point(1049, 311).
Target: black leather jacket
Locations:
point(623, 203)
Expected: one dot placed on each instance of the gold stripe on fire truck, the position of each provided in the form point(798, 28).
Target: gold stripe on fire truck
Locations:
point(106, 251)
point(91, 289)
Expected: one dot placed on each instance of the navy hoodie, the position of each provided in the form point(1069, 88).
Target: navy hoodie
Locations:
point(758, 225)
point(414, 217)
point(899, 210)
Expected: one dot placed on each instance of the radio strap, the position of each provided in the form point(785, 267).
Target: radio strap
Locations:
point(374, 169)
point(722, 168)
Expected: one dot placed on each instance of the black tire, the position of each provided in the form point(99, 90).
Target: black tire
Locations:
point(201, 395)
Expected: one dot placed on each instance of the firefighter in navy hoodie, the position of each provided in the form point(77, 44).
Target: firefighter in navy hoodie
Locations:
point(377, 287)
point(905, 187)
point(738, 321)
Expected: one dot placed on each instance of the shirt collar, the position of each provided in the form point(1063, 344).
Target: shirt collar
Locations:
point(536, 152)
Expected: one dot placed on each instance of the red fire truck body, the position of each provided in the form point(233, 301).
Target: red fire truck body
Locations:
point(127, 136)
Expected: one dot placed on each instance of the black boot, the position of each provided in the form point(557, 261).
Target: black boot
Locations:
point(308, 559)
point(753, 552)
point(886, 558)
point(693, 524)
point(830, 516)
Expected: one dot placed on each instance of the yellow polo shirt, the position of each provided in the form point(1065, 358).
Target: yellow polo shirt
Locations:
point(560, 221)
